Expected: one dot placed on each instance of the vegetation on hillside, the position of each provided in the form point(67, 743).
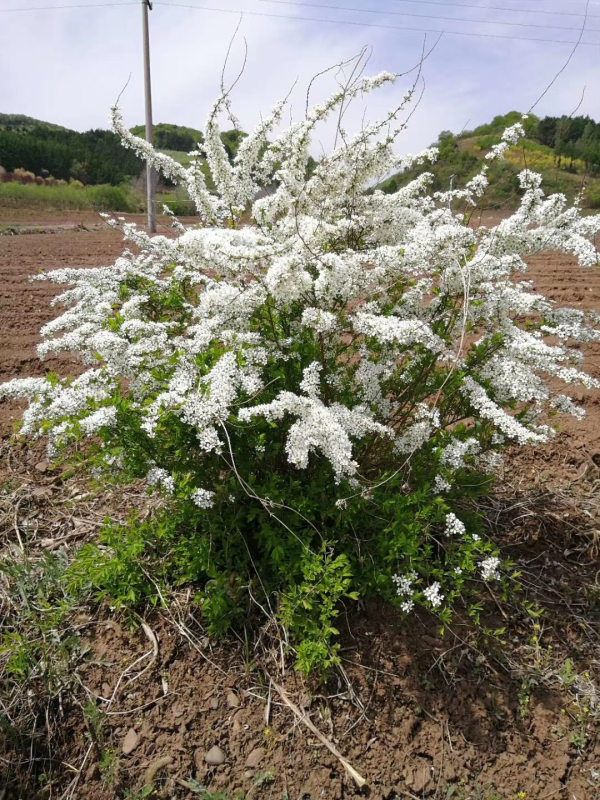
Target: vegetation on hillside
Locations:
point(172, 137)
point(565, 150)
point(24, 124)
point(93, 157)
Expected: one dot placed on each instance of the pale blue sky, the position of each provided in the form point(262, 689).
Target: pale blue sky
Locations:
point(68, 65)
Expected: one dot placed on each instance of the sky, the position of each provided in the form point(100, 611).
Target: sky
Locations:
point(68, 65)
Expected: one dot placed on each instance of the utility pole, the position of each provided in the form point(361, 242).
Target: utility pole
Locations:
point(150, 173)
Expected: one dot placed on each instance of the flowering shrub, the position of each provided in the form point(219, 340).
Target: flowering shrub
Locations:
point(316, 377)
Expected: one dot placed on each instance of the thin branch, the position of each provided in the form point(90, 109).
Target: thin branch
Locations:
point(567, 62)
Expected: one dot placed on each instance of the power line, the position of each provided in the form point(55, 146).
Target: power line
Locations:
point(500, 8)
point(78, 5)
point(304, 4)
point(297, 18)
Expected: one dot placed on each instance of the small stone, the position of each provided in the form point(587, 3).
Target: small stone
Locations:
point(236, 725)
point(130, 742)
point(233, 700)
point(92, 773)
point(419, 776)
point(41, 466)
point(255, 757)
point(215, 756)
point(214, 702)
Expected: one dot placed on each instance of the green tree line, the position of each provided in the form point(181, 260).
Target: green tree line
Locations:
point(95, 156)
point(571, 138)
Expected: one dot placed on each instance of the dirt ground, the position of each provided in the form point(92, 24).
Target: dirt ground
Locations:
point(416, 714)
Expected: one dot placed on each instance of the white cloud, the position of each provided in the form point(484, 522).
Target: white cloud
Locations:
point(68, 66)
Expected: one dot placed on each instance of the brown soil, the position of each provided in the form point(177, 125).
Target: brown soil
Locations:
point(417, 715)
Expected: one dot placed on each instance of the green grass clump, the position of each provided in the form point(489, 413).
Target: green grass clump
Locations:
point(177, 202)
point(179, 156)
point(71, 197)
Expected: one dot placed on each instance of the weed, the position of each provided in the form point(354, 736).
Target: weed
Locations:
point(566, 673)
point(37, 644)
point(39, 651)
point(580, 714)
point(109, 768)
point(460, 791)
point(264, 778)
point(200, 789)
point(138, 794)
point(94, 720)
point(524, 698)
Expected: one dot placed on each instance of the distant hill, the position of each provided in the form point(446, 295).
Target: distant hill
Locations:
point(23, 124)
point(93, 157)
point(172, 137)
point(565, 150)
point(178, 140)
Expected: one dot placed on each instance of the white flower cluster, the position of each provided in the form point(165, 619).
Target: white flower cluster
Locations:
point(404, 584)
point(440, 484)
point(335, 320)
point(454, 527)
point(203, 498)
point(319, 427)
point(433, 594)
point(157, 476)
point(489, 568)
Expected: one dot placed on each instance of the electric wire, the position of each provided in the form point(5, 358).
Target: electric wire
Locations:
point(61, 8)
point(499, 8)
point(304, 4)
point(381, 26)
point(354, 23)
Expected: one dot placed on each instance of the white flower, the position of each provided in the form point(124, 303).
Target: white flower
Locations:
point(103, 417)
point(489, 568)
point(454, 527)
point(322, 321)
point(203, 498)
point(404, 583)
point(319, 427)
point(440, 484)
point(433, 594)
point(160, 477)
point(455, 453)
